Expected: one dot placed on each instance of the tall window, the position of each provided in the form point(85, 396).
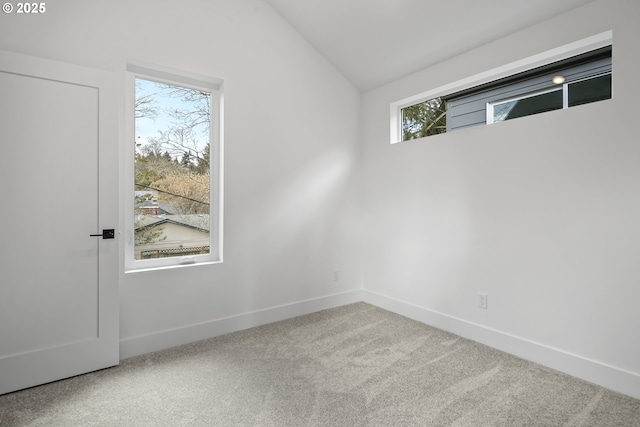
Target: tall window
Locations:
point(174, 211)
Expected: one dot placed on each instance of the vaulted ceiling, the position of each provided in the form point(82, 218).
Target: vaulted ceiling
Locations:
point(373, 42)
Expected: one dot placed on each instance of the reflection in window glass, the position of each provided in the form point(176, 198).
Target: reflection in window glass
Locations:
point(527, 106)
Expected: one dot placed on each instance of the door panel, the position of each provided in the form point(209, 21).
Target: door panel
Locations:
point(58, 285)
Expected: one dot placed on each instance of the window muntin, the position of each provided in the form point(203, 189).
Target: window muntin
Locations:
point(174, 208)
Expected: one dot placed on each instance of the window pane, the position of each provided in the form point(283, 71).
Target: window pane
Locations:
point(527, 106)
point(424, 119)
point(592, 90)
point(172, 170)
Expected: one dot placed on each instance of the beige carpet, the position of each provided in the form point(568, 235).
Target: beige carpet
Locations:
point(356, 365)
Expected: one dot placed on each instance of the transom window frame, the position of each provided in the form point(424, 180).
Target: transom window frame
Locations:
point(560, 53)
point(213, 86)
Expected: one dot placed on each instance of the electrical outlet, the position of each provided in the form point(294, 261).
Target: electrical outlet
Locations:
point(482, 300)
point(335, 276)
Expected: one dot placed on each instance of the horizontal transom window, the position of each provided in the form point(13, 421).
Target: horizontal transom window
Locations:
point(576, 80)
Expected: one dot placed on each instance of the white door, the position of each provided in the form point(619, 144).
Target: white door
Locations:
point(58, 185)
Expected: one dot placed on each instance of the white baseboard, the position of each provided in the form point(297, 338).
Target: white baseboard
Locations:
point(161, 340)
point(613, 378)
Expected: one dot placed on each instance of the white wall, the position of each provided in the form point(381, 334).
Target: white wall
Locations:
point(292, 135)
point(540, 213)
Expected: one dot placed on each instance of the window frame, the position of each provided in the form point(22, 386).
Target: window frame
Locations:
point(214, 87)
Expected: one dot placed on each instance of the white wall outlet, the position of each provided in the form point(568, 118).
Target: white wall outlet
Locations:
point(335, 276)
point(482, 300)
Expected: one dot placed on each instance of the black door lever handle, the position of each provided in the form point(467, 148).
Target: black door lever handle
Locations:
point(107, 233)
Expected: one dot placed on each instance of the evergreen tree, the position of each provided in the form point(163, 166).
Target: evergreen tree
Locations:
point(186, 160)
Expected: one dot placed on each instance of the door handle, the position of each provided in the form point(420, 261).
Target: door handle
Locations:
point(107, 233)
